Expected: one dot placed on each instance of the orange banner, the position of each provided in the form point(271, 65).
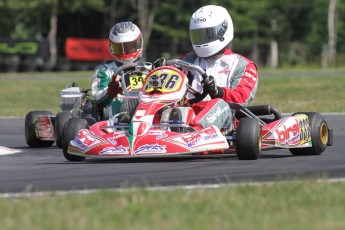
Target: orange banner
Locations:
point(81, 49)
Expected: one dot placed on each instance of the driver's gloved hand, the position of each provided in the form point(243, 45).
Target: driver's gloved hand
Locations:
point(113, 89)
point(210, 86)
point(159, 62)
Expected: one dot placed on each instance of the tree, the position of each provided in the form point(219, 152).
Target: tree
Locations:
point(146, 16)
point(172, 25)
point(332, 29)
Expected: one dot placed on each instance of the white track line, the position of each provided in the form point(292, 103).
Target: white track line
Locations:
point(8, 151)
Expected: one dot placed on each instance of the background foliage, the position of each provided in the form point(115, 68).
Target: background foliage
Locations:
point(300, 28)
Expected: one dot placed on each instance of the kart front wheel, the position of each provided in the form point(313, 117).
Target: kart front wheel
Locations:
point(248, 139)
point(30, 130)
point(319, 132)
point(70, 130)
point(60, 121)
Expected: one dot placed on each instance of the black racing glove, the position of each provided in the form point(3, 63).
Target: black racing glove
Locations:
point(210, 86)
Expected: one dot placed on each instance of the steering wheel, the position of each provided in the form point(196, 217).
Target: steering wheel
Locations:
point(140, 67)
point(119, 70)
point(197, 96)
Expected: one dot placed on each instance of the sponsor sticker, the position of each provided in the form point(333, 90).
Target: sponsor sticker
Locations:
point(161, 136)
point(217, 114)
point(44, 127)
point(288, 133)
point(201, 140)
point(151, 148)
point(83, 140)
point(120, 150)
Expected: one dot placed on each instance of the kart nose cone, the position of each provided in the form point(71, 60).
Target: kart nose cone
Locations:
point(138, 128)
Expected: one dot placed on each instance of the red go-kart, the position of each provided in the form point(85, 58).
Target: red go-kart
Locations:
point(160, 126)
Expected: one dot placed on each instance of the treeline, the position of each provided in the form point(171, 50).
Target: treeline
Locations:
point(274, 33)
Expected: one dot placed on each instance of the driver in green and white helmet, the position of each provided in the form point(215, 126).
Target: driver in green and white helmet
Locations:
point(126, 46)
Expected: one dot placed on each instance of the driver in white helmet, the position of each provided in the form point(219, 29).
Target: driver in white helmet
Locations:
point(231, 77)
point(126, 46)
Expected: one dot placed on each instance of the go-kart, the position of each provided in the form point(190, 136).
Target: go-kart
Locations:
point(160, 126)
point(43, 128)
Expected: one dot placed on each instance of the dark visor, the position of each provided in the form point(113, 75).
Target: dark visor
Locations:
point(207, 35)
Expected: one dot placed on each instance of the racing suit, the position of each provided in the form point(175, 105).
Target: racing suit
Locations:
point(238, 78)
point(102, 76)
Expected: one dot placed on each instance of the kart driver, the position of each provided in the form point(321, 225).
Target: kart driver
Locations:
point(231, 77)
point(126, 46)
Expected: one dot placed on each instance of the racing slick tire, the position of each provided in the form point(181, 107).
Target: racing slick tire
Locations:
point(320, 135)
point(60, 121)
point(172, 114)
point(30, 132)
point(248, 139)
point(72, 127)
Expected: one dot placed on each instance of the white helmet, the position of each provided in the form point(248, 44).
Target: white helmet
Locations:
point(210, 30)
point(126, 42)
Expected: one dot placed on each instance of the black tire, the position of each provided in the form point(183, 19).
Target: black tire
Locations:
point(72, 127)
point(60, 121)
point(30, 132)
point(248, 139)
point(319, 135)
point(172, 114)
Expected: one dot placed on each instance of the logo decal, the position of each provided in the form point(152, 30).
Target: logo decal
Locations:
point(200, 20)
point(288, 134)
point(113, 151)
point(148, 148)
point(217, 114)
point(201, 140)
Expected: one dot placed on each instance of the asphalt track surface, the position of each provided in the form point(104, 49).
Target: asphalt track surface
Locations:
point(45, 169)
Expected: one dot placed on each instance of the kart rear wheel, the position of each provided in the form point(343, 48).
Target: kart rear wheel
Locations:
point(248, 139)
point(60, 121)
point(319, 135)
point(30, 132)
point(72, 127)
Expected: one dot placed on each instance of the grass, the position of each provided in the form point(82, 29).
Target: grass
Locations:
point(293, 205)
point(309, 93)
point(24, 92)
point(290, 91)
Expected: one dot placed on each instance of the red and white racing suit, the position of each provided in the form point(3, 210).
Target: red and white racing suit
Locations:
point(235, 74)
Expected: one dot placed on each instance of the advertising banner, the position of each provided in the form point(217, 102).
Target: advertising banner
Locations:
point(28, 47)
point(81, 49)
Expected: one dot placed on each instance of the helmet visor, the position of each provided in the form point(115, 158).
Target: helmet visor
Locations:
point(126, 48)
point(209, 34)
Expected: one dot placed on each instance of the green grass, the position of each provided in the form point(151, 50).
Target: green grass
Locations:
point(294, 205)
point(288, 90)
point(310, 93)
point(23, 92)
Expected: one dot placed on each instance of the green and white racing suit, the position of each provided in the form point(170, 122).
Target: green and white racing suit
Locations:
point(102, 76)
